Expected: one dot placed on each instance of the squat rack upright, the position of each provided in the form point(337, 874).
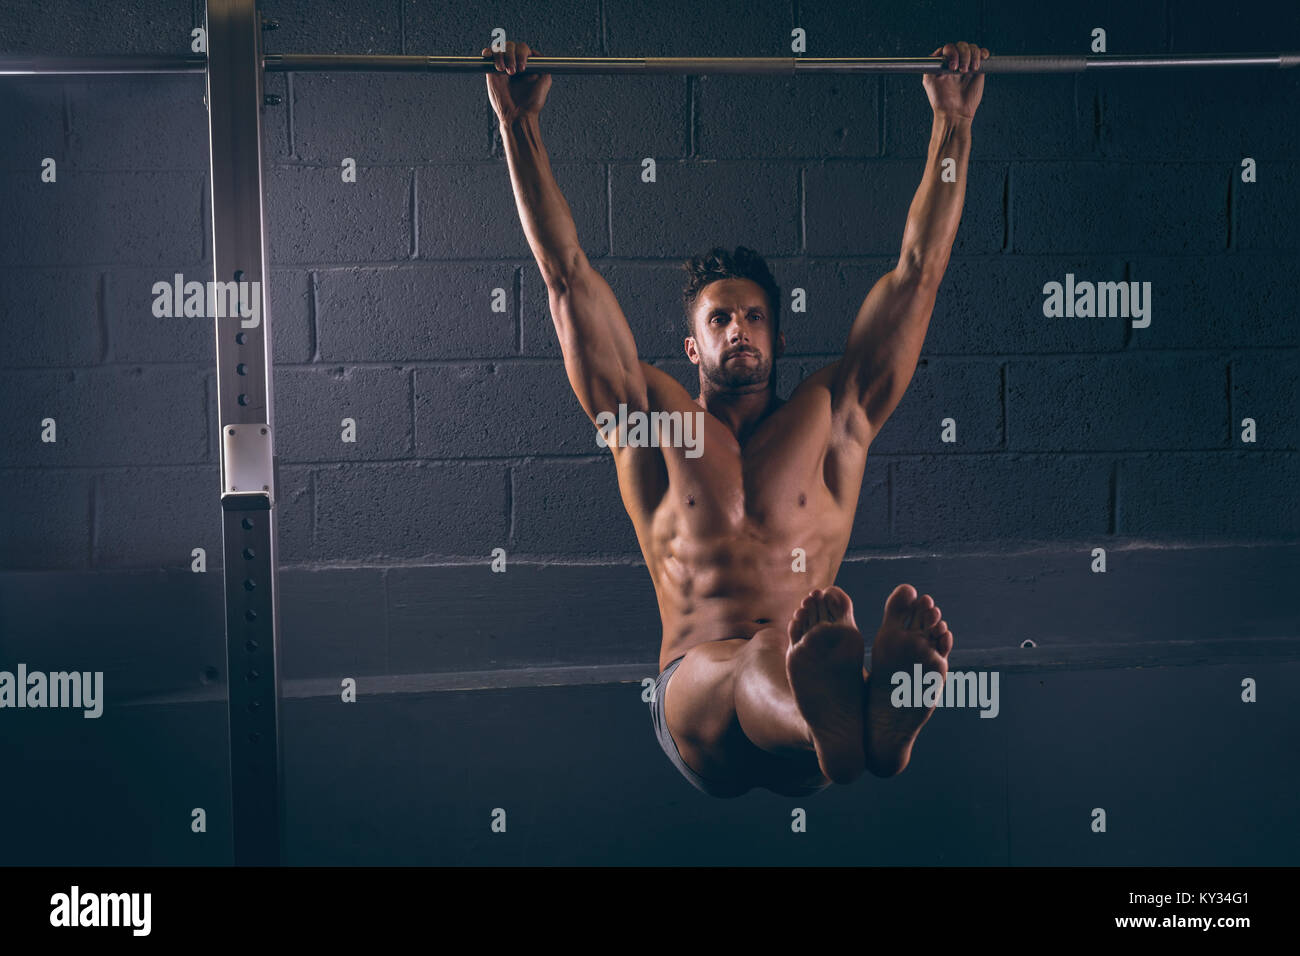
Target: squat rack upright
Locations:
point(234, 66)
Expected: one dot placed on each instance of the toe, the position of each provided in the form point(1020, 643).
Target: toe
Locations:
point(799, 620)
point(920, 612)
point(841, 604)
point(822, 609)
point(831, 603)
point(899, 604)
point(943, 643)
point(932, 617)
point(843, 607)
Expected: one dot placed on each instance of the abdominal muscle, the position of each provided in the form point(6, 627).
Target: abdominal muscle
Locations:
point(737, 593)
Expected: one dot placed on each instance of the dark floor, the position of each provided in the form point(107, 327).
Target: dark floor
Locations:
point(1187, 775)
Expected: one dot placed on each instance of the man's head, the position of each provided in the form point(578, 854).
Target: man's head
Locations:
point(733, 319)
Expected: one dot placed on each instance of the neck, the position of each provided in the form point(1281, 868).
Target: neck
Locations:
point(739, 411)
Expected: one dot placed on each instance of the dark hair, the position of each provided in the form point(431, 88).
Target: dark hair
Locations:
point(717, 264)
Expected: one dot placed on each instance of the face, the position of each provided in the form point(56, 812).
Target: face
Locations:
point(733, 343)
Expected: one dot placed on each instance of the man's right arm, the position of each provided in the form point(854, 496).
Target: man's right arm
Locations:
point(599, 350)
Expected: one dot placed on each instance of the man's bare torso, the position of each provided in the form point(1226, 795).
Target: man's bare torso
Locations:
point(719, 532)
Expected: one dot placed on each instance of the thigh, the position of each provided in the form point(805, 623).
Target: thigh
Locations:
point(700, 707)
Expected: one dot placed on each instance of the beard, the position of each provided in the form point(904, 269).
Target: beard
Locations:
point(738, 376)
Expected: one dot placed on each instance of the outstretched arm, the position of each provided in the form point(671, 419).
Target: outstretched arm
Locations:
point(885, 341)
point(599, 351)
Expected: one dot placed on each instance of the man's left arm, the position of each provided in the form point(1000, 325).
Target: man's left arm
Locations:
point(885, 341)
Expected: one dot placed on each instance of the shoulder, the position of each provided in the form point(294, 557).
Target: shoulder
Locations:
point(848, 417)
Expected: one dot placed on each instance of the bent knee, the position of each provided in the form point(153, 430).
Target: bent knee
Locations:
point(769, 640)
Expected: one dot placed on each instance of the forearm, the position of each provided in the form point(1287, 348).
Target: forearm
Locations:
point(547, 221)
point(936, 209)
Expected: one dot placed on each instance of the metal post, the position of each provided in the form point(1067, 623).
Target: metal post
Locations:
point(247, 433)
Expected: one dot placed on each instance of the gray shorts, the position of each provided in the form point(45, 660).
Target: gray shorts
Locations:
point(711, 787)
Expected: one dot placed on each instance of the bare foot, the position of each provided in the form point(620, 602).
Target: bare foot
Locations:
point(913, 632)
point(824, 665)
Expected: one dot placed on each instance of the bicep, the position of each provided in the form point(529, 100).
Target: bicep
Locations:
point(883, 348)
point(599, 350)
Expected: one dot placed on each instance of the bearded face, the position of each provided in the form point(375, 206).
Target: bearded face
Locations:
point(733, 341)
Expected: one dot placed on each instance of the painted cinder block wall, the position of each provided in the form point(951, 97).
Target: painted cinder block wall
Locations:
point(1073, 433)
point(1078, 430)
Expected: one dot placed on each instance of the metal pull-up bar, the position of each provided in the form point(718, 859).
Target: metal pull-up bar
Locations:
point(775, 65)
point(765, 65)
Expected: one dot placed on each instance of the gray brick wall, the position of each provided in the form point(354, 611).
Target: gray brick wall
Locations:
point(381, 289)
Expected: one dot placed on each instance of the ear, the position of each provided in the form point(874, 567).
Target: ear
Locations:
point(692, 352)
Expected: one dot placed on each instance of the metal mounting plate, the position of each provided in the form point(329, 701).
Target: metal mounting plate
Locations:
point(247, 453)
